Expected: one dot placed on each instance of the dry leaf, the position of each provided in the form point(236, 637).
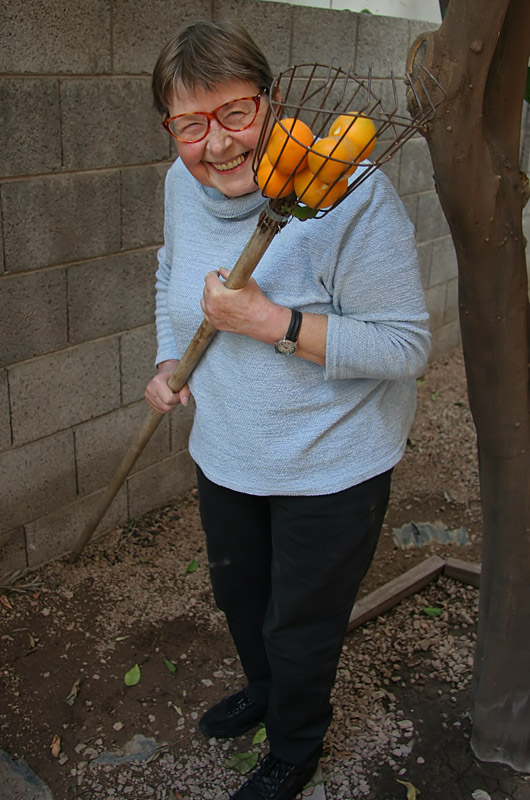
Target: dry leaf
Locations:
point(5, 602)
point(74, 691)
point(55, 746)
point(412, 792)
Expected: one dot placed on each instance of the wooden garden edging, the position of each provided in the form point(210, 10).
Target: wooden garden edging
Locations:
point(391, 593)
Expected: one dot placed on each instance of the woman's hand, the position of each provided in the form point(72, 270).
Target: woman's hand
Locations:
point(250, 312)
point(159, 395)
point(246, 311)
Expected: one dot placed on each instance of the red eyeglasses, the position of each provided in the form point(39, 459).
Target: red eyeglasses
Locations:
point(237, 115)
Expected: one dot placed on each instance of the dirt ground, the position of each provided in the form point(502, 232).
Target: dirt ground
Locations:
point(139, 599)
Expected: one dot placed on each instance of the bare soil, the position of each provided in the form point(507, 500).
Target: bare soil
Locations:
point(140, 596)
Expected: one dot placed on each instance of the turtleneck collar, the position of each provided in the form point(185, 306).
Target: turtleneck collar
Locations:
point(217, 204)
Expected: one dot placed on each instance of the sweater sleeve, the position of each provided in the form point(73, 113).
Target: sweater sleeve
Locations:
point(379, 328)
point(167, 348)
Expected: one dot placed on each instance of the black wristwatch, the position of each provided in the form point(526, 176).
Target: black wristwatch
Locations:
point(287, 345)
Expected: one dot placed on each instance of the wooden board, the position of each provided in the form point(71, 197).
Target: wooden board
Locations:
point(465, 571)
point(391, 593)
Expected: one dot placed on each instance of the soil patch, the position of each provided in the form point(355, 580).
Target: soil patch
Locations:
point(141, 596)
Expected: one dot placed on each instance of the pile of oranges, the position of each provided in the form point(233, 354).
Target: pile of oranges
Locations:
point(317, 171)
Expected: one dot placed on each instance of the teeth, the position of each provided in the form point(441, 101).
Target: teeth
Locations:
point(230, 164)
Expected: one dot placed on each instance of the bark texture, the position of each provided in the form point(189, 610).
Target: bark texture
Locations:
point(480, 56)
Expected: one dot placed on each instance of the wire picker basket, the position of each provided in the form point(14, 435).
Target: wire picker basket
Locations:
point(323, 97)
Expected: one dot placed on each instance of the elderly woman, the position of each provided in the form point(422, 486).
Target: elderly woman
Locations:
point(303, 401)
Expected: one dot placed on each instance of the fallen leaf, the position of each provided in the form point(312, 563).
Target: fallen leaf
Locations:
point(55, 746)
point(171, 667)
point(243, 762)
point(433, 612)
point(193, 566)
point(133, 676)
point(260, 735)
point(74, 691)
point(5, 602)
point(412, 792)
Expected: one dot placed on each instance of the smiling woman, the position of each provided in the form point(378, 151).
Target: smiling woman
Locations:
point(303, 401)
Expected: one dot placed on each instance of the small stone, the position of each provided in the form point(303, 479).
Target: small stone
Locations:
point(118, 726)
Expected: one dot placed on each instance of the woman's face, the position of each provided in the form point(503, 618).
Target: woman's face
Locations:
point(223, 159)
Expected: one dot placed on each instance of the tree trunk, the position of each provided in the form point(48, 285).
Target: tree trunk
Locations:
point(480, 56)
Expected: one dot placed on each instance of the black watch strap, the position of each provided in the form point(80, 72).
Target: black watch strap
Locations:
point(294, 327)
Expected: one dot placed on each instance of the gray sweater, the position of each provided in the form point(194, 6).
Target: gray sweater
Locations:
point(271, 424)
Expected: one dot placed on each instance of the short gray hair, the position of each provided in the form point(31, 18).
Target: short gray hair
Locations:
point(207, 54)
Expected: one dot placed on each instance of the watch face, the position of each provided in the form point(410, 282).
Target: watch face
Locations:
point(285, 347)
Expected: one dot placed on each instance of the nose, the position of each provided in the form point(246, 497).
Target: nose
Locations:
point(218, 137)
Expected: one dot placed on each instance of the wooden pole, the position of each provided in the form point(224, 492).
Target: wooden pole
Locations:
point(269, 224)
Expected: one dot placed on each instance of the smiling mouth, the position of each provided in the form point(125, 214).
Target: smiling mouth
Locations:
point(228, 165)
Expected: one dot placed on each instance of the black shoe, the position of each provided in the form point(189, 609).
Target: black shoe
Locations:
point(275, 779)
point(233, 716)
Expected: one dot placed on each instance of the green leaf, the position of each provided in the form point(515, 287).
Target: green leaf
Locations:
point(433, 612)
point(243, 762)
point(133, 676)
point(527, 89)
point(435, 395)
point(260, 735)
point(193, 566)
point(304, 212)
point(171, 667)
point(420, 381)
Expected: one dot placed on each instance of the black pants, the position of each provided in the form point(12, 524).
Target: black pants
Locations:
point(285, 571)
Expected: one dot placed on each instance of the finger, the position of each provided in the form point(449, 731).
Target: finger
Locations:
point(224, 272)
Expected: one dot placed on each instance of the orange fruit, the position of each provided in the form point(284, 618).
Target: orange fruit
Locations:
point(359, 129)
point(320, 159)
point(315, 193)
point(272, 182)
point(286, 154)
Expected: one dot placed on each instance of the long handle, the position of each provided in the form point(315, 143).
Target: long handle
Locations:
point(256, 246)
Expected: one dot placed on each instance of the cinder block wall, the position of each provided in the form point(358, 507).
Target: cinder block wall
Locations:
point(82, 160)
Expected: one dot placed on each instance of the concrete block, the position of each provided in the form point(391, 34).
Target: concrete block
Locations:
point(2, 265)
point(321, 35)
point(451, 311)
point(60, 218)
point(102, 443)
point(52, 37)
point(137, 350)
point(444, 340)
point(142, 223)
point(160, 483)
point(111, 294)
point(12, 552)
point(444, 266)
point(382, 42)
point(62, 389)
point(30, 114)
point(33, 318)
point(5, 423)
point(110, 122)
point(431, 220)
point(435, 299)
point(36, 479)
point(181, 421)
point(269, 24)
point(416, 170)
point(391, 169)
point(54, 535)
point(417, 26)
point(140, 30)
